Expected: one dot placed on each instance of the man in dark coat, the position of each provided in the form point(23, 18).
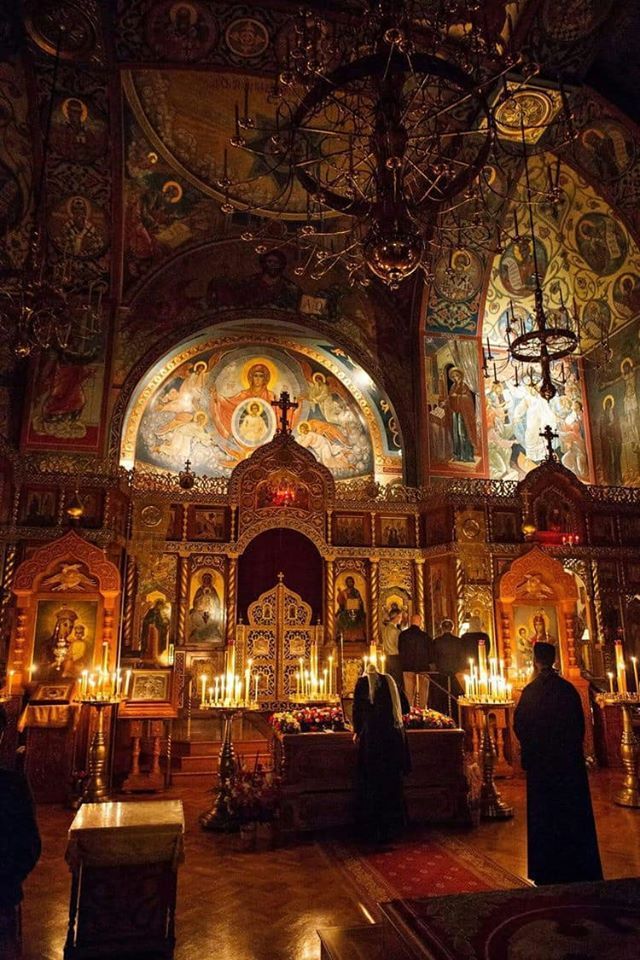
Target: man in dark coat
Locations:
point(416, 657)
point(562, 846)
point(451, 654)
point(19, 849)
point(383, 756)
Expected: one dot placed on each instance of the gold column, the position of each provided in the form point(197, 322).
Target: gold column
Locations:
point(232, 598)
point(183, 600)
point(375, 601)
point(460, 591)
point(420, 598)
point(7, 580)
point(129, 602)
point(329, 524)
point(373, 528)
point(330, 601)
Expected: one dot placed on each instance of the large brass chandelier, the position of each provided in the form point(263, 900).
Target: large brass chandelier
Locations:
point(385, 118)
point(47, 305)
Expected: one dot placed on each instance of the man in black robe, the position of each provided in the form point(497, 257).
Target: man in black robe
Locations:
point(383, 755)
point(19, 849)
point(562, 846)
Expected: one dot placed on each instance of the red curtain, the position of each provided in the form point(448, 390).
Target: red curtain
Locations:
point(281, 551)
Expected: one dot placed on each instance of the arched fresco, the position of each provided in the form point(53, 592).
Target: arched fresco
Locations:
point(210, 399)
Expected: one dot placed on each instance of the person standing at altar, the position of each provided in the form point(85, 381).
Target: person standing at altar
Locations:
point(19, 850)
point(451, 654)
point(390, 635)
point(562, 845)
point(416, 656)
point(383, 755)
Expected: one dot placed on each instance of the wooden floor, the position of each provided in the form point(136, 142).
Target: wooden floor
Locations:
point(267, 905)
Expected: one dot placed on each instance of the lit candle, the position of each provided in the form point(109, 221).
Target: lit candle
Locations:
point(383, 660)
point(621, 673)
point(84, 681)
point(467, 681)
point(256, 682)
point(105, 657)
point(210, 695)
point(610, 675)
point(247, 684)
point(634, 661)
point(127, 684)
point(32, 670)
point(203, 683)
point(331, 676)
point(11, 672)
point(482, 656)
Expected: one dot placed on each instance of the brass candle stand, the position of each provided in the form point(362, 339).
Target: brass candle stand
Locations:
point(629, 793)
point(96, 788)
point(217, 818)
point(492, 807)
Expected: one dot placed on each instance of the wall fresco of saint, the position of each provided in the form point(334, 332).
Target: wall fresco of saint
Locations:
point(213, 406)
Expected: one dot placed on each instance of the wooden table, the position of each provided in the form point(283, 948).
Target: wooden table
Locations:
point(124, 861)
point(319, 779)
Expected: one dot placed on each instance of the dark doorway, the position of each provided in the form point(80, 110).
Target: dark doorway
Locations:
point(280, 551)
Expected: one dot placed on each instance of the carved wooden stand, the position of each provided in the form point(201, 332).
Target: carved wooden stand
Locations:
point(96, 789)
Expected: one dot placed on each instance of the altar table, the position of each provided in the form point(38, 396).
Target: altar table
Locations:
point(319, 778)
point(124, 859)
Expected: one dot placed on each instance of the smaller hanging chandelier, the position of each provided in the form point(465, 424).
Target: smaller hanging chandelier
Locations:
point(548, 337)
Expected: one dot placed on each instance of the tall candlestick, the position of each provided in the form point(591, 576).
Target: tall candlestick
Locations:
point(634, 661)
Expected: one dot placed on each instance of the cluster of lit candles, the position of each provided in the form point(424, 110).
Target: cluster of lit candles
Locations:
point(620, 686)
point(310, 683)
point(104, 684)
point(483, 685)
point(230, 689)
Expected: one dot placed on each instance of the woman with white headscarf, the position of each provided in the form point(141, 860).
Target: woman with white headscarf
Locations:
point(383, 756)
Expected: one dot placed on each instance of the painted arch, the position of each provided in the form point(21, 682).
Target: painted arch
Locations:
point(209, 400)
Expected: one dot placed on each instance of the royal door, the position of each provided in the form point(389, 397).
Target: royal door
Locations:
point(278, 635)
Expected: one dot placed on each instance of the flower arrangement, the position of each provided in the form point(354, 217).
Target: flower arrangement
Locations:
point(422, 718)
point(251, 796)
point(308, 720)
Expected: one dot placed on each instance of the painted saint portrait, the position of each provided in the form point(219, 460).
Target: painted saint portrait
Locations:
point(78, 228)
point(517, 266)
point(454, 405)
point(155, 630)
point(394, 531)
point(602, 243)
point(533, 624)
point(626, 294)
point(351, 617)
point(181, 31)
point(77, 132)
point(350, 531)
point(64, 638)
point(205, 623)
point(606, 150)
point(66, 402)
point(459, 276)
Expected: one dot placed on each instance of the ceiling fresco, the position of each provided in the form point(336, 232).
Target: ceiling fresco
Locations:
point(210, 402)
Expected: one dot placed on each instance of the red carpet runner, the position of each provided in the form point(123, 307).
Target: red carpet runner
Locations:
point(427, 867)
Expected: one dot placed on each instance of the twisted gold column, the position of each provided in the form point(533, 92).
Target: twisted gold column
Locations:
point(183, 600)
point(330, 601)
point(375, 601)
point(232, 598)
point(129, 602)
point(420, 598)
